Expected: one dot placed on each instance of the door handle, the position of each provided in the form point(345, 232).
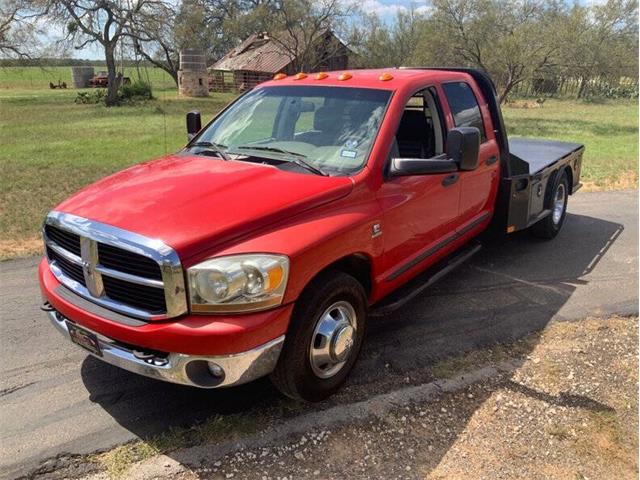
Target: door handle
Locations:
point(450, 179)
point(491, 160)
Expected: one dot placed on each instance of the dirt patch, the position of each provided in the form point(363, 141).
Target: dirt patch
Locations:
point(561, 403)
point(538, 103)
point(570, 411)
point(20, 248)
point(626, 180)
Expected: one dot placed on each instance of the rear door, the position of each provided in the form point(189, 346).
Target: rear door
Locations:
point(467, 107)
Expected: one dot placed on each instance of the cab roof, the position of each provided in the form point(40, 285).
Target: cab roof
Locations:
point(369, 78)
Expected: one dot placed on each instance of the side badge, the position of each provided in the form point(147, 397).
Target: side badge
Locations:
point(376, 230)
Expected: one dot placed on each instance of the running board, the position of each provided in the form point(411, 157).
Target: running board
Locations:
point(415, 287)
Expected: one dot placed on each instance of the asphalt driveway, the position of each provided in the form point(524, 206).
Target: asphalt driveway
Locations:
point(55, 399)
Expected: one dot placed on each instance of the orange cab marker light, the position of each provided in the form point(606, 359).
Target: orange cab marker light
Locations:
point(345, 76)
point(385, 77)
point(300, 76)
point(322, 75)
point(280, 76)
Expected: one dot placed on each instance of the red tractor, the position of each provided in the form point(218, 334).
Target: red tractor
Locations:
point(101, 80)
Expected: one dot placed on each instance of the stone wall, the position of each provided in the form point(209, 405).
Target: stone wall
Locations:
point(193, 83)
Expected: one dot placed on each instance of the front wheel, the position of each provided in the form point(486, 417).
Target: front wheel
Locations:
point(550, 225)
point(324, 338)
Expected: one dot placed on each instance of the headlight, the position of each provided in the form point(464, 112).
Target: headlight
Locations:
point(238, 283)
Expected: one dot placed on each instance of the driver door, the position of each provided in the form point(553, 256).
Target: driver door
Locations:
point(420, 212)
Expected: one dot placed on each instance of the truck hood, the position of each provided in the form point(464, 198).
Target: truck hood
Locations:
point(194, 203)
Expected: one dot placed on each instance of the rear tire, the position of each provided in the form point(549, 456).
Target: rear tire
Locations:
point(324, 338)
point(551, 225)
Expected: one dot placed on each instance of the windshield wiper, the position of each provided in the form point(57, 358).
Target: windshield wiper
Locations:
point(212, 147)
point(298, 157)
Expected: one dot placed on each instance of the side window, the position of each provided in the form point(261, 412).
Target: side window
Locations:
point(464, 106)
point(419, 134)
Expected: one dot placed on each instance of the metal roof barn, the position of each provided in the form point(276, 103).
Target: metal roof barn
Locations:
point(260, 57)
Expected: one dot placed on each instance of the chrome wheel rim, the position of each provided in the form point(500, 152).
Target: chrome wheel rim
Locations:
point(558, 204)
point(333, 339)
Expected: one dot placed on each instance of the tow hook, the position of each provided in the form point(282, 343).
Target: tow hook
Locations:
point(46, 307)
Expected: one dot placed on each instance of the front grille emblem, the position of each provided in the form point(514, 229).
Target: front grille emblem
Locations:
point(92, 278)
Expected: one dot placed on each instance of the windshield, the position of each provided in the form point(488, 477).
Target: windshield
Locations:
point(328, 129)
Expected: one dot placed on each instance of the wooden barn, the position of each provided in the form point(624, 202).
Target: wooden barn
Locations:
point(260, 57)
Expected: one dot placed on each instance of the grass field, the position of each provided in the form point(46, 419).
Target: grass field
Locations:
point(608, 130)
point(36, 78)
point(51, 147)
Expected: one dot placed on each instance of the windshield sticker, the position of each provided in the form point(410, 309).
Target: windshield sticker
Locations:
point(351, 143)
point(348, 153)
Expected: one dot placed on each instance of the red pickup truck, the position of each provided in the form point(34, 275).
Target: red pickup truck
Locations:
point(308, 202)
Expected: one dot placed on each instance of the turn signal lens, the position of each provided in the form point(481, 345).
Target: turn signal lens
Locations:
point(385, 77)
point(279, 76)
point(322, 75)
point(300, 76)
point(345, 76)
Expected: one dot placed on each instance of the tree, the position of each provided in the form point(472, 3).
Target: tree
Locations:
point(509, 39)
point(599, 42)
point(18, 30)
point(154, 38)
point(299, 27)
point(212, 26)
point(382, 45)
point(106, 22)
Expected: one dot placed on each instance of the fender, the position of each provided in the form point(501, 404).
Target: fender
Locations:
point(317, 239)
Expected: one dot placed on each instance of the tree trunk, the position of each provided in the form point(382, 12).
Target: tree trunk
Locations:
point(502, 98)
point(112, 86)
point(583, 87)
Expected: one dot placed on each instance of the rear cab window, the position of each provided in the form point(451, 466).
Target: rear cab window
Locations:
point(464, 106)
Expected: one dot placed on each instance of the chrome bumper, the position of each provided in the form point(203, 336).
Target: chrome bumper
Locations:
point(181, 368)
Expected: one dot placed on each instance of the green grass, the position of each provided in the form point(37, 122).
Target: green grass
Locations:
point(36, 78)
point(52, 147)
point(609, 130)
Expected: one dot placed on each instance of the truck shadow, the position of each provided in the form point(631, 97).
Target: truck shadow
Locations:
point(506, 292)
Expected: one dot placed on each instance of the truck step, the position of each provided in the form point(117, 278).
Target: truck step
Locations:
point(415, 287)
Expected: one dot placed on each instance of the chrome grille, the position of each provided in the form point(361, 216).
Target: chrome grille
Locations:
point(128, 262)
point(120, 270)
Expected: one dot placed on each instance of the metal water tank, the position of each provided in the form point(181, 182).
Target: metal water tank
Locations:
point(81, 76)
point(192, 59)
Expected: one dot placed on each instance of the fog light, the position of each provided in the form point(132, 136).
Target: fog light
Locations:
point(215, 369)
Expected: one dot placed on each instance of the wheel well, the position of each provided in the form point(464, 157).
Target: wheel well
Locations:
point(552, 182)
point(357, 265)
point(569, 178)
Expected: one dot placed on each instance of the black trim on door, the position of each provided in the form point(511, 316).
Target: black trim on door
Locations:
point(423, 256)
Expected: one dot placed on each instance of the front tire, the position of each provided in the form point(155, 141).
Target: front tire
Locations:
point(324, 338)
point(551, 225)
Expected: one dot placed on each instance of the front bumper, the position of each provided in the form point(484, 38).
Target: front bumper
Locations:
point(245, 347)
point(182, 368)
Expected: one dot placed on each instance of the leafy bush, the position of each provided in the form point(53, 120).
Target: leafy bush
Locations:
point(92, 97)
point(138, 90)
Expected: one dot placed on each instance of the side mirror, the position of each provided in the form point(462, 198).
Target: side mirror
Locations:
point(401, 167)
point(194, 124)
point(463, 147)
